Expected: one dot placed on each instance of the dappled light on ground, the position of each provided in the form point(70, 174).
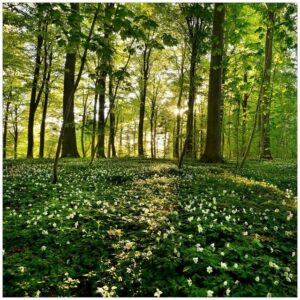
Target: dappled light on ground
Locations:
point(143, 228)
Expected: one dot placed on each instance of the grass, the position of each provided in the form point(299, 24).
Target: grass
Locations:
point(130, 227)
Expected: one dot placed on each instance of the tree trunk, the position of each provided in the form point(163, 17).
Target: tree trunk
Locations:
point(94, 120)
point(155, 134)
point(83, 60)
point(121, 140)
point(101, 117)
point(69, 144)
point(112, 120)
point(179, 114)
point(5, 125)
point(85, 100)
point(201, 129)
point(33, 105)
point(152, 121)
point(229, 132)
point(105, 60)
point(244, 116)
point(45, 108)
point(191, 102)
point(212, 151)
point(143, 94)
point(265, 147)
point(16, 132)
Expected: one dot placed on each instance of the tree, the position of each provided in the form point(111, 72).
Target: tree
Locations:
point(71, 95)
point(265, 147)
point(181, 72)
point(34, 101)
point(69, 144)
point(197, 19)
point(145, 70)
point(48, 66)
point(212, 151)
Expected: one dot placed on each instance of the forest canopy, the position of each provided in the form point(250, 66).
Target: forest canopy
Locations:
point(133, 79)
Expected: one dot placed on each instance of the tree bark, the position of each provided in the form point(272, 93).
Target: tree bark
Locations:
point(83, 60)
point(191, 102)
point(101, 117)
point(179, 114)
point(85, 101)
point(45, 107)
point(244, 116)
point(212, 151)
point(6, 123)
point(121, 140)
point(16, 131)
point(265, 146)
point(112, 120)
point(143, 94)
point(152, 121)
point(33, 104)
point(69, 143)
point(94, 120)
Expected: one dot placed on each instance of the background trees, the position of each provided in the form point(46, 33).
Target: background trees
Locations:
point(145, 81)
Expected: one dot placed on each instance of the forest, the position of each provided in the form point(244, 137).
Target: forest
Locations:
point(149, 149)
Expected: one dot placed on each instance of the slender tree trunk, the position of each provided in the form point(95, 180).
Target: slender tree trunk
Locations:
point(45, 108)
point(33, 104)
point(191, 102)
point(188, 144)
point(112, 120)
point(179, 114)
point(244, 116)
point(121, 140)
point(195, 135)
point(128, 143)
point(201, 130)
point(16, 132)
point(101, 117)
point(155, 133)
point(85, 100)
point(165, 139)
point(5, 125)
point(152, 120)
point(134, 138)
point(105, 60)
point(265, 146)
point(229, 132)
point(94, 119)
point(212, 151)
point(143, 94)
point(237, 133)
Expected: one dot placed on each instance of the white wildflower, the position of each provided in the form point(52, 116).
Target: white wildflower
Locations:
point(157, 293)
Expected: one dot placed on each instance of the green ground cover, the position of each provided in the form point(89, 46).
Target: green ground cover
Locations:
point(142, 228)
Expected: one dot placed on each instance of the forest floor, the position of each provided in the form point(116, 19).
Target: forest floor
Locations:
point(130, 227)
